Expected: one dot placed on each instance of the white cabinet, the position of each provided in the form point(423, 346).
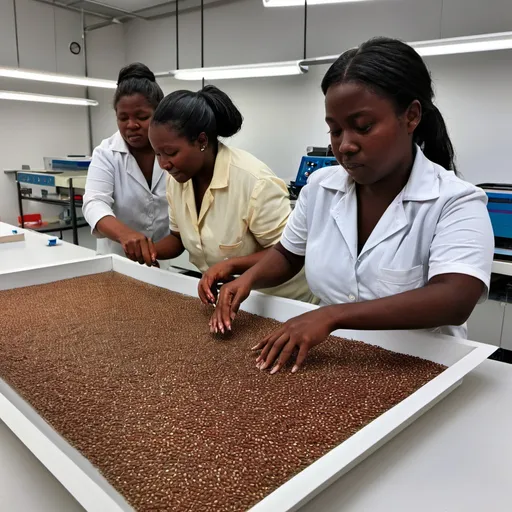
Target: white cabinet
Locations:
point(486, 322)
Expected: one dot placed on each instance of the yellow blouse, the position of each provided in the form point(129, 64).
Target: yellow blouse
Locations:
point(244, 210)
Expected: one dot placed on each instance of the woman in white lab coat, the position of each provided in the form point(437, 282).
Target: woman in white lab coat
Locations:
point(124, 201)
point(391, 238)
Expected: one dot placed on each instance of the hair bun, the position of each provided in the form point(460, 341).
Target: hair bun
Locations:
point(227, 117)
point(136, 70)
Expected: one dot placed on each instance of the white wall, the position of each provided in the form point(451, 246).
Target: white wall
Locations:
point(105, 57)
point(285, 115)
point(473, 93)
point(282, 115)
point(29, 131)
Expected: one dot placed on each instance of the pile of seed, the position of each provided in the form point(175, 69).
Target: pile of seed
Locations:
point(175, 418)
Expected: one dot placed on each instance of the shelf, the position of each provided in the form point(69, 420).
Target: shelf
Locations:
point(57, 226)
point(56, 202)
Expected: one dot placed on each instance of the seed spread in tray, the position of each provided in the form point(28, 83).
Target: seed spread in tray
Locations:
point(173, 417)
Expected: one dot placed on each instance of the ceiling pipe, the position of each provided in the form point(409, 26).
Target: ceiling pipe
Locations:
point(67, 7)
point(125, 13)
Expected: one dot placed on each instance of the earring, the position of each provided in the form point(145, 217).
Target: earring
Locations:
point(203, 148)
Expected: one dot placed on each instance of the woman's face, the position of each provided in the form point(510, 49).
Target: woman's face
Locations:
point(368, 138)
point(134, 115)
point(181, 158)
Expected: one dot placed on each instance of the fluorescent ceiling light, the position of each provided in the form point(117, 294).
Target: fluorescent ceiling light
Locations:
point(448, 46)
point(293, 3)
point(454, 45)
point(242, 71)
point(43, 98)
point(42, 76)
point(467, 44)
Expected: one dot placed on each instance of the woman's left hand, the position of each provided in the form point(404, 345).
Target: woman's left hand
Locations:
point(302, 332)
point(220, 272)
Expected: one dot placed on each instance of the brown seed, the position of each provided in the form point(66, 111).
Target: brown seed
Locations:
point(129, 374)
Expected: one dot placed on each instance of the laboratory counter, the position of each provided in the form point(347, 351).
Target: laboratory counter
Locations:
point(456, 457)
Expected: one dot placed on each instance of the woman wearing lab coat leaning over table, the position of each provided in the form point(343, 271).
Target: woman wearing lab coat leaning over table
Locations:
point(391, 238)
point(124, 201)
point(226, 207)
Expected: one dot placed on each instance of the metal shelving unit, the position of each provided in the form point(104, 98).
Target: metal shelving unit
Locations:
point(70, 203)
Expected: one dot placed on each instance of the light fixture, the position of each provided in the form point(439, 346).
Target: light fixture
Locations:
point(56, 78)
point(466, 44)
point(243, 71)
point(294, 3)
point(447, 46)
point(43, 98)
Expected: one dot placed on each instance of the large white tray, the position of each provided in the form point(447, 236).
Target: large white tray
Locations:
point(95, 494)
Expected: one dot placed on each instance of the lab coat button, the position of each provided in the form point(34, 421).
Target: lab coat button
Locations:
point(351, 297)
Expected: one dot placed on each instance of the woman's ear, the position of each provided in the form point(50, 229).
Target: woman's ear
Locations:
point(413, 116)
point(202, 140)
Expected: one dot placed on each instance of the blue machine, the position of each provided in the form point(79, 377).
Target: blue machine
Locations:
point(41, 179)
point(308, 165)
point(67, 163)
point(499, 207)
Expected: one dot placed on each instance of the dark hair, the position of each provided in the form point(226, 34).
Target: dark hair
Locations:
point(395, 70)
point(191, 113)
point(137, 78)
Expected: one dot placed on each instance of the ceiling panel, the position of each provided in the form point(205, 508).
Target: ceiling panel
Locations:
point(128, 9)
point(126, 5)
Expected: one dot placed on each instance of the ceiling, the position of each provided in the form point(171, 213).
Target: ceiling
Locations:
point(122, 8)
point(125, 10)
point(129, 5)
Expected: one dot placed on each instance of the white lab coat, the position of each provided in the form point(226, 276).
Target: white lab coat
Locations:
point(116, 186)
point(437, 224)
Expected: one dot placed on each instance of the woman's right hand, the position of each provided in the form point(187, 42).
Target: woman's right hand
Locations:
point(138, 247)
point(230, 297)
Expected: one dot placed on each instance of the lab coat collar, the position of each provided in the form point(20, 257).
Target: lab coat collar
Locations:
point(337, 179)
point(117, 143)
point(158, 174)
point(220, 177)
point(423, 183)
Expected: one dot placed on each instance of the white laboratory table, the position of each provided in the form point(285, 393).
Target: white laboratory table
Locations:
point(34, 251)
point(456, 457)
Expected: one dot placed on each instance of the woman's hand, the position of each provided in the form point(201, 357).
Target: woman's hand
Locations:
point(138, 247)
point(230, 297)
point(302, 332)
point(221, 272)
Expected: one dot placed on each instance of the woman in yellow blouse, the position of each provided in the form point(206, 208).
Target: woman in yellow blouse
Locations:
point(226, 207)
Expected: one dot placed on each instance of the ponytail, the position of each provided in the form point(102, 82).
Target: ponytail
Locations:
point(208, 111)
point(432, 136)
point(395, 70)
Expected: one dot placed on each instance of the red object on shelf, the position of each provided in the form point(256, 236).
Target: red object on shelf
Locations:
point(78, 197)
point(31, 219)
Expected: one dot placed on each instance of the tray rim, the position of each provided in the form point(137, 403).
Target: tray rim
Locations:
point(95, 493)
